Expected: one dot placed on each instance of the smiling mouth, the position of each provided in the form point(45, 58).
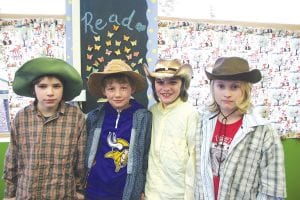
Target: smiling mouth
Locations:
point(166, 95)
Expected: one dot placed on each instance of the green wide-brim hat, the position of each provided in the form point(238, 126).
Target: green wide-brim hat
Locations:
point(43, 66)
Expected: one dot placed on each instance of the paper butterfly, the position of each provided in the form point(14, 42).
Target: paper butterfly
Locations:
point(97, 38)
point(136, 54)
point(90, 48)
point(89, 56)
point(97, 47)
point(140, 61)
point(129, 57)
point(126, 49)
point(108, 43)
point(100, 59)
point(133, 64)
point(126, 37)
point(96, 63)
point(118, 43)
point(108, 52)
point(116, 27)
point(88, 68)
point(133, 43)
point(118, 52)
point(109, 34)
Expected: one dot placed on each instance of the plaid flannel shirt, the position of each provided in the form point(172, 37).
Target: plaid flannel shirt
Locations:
point(45, 158)
point(253, 169)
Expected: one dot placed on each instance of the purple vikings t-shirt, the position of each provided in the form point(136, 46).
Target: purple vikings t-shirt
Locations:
point(107, 177)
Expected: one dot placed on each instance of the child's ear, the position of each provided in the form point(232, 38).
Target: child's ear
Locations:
point(103, 91)
point(133, 88)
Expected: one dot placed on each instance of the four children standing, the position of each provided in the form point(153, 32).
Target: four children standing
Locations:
point(172, 152)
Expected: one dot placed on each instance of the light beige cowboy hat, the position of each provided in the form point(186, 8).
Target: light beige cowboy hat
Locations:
point(115, 66)
point(171, 68)
point(233, 68)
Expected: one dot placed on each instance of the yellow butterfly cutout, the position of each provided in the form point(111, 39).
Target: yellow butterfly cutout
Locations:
point(133, 43)
point(118, 43)
point(97, 38)
point(108, 43)
point(136, 71)
point(90, 48)
point(126, 49)
point(140, 61)
point(96, 63)
point(88, 68)
point(109, 34)
point(118, 52)
point(126, 37)
point(97, 47)
point(133, 64)
point(116, 27)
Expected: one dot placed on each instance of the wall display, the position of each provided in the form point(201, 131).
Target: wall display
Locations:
point(115, 29)
point(22, 39)
point(275, 52)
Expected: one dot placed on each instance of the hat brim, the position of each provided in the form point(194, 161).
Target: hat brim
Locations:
point(43, 66)
point(252, 76)
point(95, 82)
point(185, 71)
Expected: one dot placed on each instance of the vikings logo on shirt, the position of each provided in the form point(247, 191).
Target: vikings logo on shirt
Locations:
point(119, 152)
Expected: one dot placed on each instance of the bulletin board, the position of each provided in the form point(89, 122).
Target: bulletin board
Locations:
point(117, 29)
point(272, 48)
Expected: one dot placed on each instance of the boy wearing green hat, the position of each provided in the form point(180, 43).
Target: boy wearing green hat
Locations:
point(45, 157)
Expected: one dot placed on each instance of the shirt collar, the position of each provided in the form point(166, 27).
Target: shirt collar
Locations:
point(61, 108)
point(171, 106)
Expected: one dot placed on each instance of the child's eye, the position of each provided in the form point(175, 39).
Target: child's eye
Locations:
point(42, 86)
point(173, 82)
point(158, 81)
point(235, 86)
point(221, 86)
point(57, 86)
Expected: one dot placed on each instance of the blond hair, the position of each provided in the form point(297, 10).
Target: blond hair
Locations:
point(243, 106)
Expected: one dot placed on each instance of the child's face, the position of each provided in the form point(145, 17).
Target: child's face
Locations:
point(227, 94)
point(118, 94)
point(49, 92)
point(168, 89)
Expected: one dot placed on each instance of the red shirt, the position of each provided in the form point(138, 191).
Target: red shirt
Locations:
point(222, 138)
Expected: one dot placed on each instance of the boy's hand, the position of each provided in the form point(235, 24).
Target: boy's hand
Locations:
point(79, 196)
point(142, 196)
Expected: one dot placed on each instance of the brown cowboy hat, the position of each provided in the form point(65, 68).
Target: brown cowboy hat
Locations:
point(171, 68)
point(115, 66)
point(233, 68)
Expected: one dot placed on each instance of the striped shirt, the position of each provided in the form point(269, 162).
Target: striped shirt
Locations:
point(45, 158)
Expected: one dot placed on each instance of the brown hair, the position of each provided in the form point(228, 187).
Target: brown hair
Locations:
point(118, 77)
point(183, 90)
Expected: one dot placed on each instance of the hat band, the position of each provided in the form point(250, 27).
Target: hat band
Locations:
point(165, 69)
